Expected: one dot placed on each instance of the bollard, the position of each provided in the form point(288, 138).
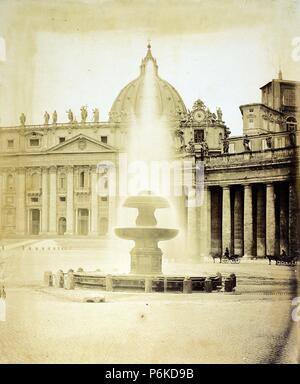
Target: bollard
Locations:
point(108, 283)
point(69, 280)
point(187, 285)
point(148, 285)
point(228, 284)
point(233, 276)
point(208, 285)
point(59, 279)
point(219, 275)
point(165, 284)
point(48, 278)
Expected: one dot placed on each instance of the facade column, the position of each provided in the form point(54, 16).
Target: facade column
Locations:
point(238, 222)
point(226, 219)
point(52, 201)
point(94, 203)
point(270, 220)
point(70, 201)
point(45, 196)
point(20, 202)
point(261, 223)
point(248, 222)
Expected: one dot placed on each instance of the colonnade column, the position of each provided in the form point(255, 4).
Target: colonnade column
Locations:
point(20, 202)
point(226, 219)
point(283, 220)
point(94, 203)
point(1, 204)
point(261, 222)
point(238, 222)
point(248, 222)
point(70, 201)
point(192, 224)
point(52, 201)
point(205, 224)
point(45, 196)
point(294, 230)
point(270, 219)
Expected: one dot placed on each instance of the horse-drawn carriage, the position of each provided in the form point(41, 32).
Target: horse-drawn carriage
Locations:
point(227, 258)
point(282, 259)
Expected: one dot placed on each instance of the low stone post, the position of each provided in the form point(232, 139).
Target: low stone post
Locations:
point(148, 285)
point(109, 283)
point(208, 285)
point(187, 285)
point(59, 279)
point(165, 284)
point(69, 280)
point(233, 277)
point(48, 278)
point(228, 284)
point(219, 275)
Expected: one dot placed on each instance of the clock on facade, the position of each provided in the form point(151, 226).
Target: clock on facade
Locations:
point(199, 115)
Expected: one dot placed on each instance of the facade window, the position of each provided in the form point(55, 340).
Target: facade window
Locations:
point(198, 135)
point(81, 179)
point(62, 198)
point(289, 97)
point(62, 139)
point(34, 199)
point(10, 143)
point(104, 198)
point(291, 124)
point(251, 110)
point(34, 142)
point(104, 139)
point(62, 181)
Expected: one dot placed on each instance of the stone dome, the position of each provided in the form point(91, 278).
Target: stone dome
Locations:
point(169, 102)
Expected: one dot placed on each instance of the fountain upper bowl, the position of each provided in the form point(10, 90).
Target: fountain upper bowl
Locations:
point(146, 233)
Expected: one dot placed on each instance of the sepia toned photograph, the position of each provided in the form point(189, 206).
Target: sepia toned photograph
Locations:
point(149, 184)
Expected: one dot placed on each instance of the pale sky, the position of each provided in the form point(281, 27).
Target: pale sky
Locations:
point(73, 53)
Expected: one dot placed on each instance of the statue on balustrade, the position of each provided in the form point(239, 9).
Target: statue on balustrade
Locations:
point(203, 150)
point(96, 115)
point(246, 143)
point(46, 118)
point(179, 140)
point(22, 119)
point(220, 114)
point(190, 147)
point(54, 117)
point(269, 141)
point(292, 139)
point(225, 146)
point(84, 113)
point(70, 116)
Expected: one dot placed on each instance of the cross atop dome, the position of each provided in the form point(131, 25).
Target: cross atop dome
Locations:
point(147, 58)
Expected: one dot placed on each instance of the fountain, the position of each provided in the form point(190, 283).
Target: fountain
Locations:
point(149, 140)
point(146, 257)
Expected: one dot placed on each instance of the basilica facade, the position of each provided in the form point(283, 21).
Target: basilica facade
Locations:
point(49, 174)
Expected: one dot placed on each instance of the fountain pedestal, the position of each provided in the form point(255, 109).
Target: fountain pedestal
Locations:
point(146, 256)
point(146, 259)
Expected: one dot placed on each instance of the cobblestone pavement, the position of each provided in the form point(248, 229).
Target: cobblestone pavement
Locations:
point(252, 325)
